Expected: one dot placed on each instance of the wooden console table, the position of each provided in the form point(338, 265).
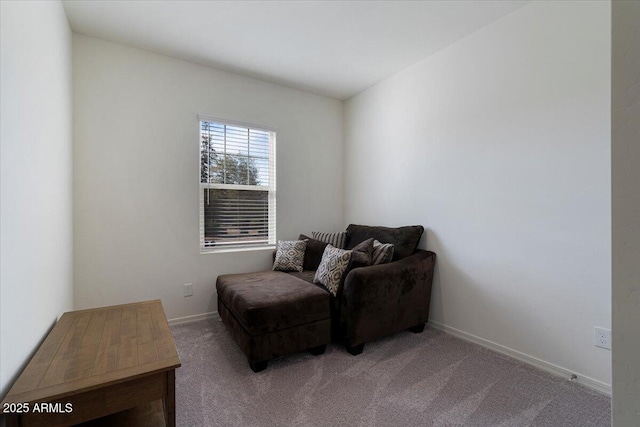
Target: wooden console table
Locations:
point(98, 362)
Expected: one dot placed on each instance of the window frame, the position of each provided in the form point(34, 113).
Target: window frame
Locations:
point(271, 189)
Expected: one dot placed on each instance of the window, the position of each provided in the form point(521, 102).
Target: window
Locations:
point(237, 186)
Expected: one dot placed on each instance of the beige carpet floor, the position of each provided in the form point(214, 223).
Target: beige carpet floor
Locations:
point(428, 379)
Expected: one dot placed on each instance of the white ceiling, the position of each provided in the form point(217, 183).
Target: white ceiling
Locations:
point(334, 48)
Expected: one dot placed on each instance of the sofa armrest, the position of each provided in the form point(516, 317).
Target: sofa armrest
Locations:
point(365, 283)
point(386, 298)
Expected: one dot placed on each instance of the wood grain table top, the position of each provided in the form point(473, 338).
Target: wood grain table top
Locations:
point(89, 349)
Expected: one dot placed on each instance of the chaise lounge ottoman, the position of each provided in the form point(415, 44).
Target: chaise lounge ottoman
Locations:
point(271, 314)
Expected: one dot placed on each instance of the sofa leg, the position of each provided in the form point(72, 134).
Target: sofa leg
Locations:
point(356, 349)
point(417, 329)
point(258, 366)
point(317, 351)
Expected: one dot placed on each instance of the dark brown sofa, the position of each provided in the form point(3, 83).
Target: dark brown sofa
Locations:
point(380, 300)
point(271, 313)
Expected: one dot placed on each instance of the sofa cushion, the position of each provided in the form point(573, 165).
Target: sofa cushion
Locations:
point(269, 301)
point(332, 267)
point(382, 253)
point(313, 253)
point(338, 240)
point(289, 255)
point(404, 239)
point(307, 276)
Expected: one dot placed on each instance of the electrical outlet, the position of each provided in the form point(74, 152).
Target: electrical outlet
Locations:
point(188, 289)
point(602, 337)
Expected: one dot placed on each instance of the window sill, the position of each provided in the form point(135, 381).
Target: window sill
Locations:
point(229, 250)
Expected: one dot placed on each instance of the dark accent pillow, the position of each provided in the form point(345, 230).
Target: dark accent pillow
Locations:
point(404, 239)
point(362, 255)
point(313, 253)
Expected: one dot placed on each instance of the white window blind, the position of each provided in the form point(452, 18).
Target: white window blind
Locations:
point(237, 186)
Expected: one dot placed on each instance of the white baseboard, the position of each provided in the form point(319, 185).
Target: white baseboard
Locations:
point(194, 318)
point(530, 360)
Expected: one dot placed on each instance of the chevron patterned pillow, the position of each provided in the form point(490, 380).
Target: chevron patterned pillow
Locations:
point(333, 265)
point(289, 255)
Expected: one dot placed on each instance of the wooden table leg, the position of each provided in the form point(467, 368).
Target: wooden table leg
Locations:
point(170, 400)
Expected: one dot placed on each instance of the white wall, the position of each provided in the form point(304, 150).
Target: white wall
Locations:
point(136, 154)
point(499, 146)
point(625, 154)
point(36, 263)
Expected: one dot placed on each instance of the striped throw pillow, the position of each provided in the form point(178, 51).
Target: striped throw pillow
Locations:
point(382, 253)
point(337, 240)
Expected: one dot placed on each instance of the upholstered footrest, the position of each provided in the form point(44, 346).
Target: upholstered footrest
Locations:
point(271, 314)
